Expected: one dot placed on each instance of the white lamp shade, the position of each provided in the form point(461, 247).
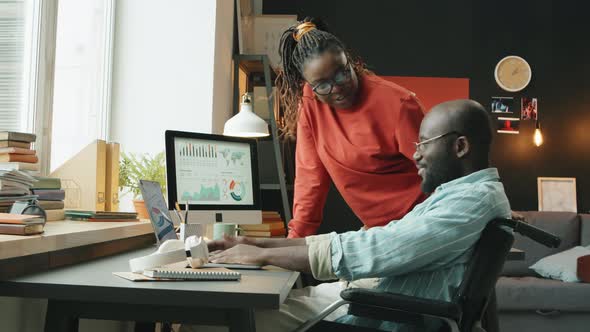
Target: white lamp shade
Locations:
point(246, 124)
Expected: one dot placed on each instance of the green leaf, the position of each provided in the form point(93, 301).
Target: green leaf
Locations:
point(135, 167)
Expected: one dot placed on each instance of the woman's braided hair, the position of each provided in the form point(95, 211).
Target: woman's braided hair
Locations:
point(295, 48)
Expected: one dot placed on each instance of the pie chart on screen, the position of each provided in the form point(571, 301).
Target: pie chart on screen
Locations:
point(237, 190)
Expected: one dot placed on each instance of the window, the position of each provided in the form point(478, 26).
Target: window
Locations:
point(17, 21)
point(81, 93)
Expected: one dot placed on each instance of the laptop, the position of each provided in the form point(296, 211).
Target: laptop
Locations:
point(162, 224)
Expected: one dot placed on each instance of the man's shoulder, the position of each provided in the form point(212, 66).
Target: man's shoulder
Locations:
point(486, 195)
point(479, 189)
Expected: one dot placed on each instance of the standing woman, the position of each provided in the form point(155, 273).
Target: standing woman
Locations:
point(352, 128)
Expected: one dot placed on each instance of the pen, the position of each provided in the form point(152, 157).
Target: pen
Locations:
point(186, 212)
point(179, 217)
point(177, 210)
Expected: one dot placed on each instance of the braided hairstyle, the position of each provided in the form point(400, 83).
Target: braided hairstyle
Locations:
point(294, 55)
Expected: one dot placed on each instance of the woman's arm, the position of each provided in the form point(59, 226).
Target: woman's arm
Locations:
point(311, 184)
point(409, 119)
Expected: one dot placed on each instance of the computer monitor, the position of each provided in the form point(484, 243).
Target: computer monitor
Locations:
point(216, 175)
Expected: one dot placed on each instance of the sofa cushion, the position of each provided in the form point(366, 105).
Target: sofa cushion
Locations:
point(585, 229)
point(566, 225)
point(531, 293)
point(561, 266)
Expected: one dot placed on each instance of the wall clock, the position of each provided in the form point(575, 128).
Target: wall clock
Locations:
point(513, 73)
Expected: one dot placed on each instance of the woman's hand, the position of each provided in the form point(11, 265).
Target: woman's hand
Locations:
point(228, 242)
point(239, 254)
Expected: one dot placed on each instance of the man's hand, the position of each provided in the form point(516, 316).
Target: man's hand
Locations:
point(239, 254)
point(519, 217)
point(228, 242)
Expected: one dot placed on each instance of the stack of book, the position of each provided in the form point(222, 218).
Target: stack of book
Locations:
point(50, 197)
point(272, 226)
point(101, 216)
point(20, 224)
point(14, 186)
point(16, 152)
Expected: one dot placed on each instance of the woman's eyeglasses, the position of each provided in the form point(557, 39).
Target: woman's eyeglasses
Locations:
point(324, 88)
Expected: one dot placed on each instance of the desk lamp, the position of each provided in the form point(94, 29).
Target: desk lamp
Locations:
point(246, 123)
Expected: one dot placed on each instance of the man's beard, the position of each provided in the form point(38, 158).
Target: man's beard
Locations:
point(447, 169)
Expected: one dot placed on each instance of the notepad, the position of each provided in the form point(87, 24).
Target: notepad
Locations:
point(193, 274)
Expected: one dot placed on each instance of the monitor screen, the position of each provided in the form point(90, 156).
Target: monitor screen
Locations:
point(212, 171)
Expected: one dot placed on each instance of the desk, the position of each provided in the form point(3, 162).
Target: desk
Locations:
point(90, 290)
point(68, 242)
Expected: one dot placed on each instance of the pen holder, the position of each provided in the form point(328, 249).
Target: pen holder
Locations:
point(187, 230)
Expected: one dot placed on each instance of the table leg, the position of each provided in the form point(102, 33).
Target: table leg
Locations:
point(60, 318)
point(242, 320)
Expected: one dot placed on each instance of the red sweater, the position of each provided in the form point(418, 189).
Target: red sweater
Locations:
point(366, 151)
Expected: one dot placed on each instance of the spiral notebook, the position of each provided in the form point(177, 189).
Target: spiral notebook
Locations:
point(193, 274)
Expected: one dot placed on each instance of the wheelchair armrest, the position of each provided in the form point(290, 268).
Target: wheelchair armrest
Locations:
point(401, 303)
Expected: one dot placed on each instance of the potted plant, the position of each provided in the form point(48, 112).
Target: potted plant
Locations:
point(135, 167)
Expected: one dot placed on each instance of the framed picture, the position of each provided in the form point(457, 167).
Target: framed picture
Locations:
point(557, 194)
point(502, 105)
point(528, 108)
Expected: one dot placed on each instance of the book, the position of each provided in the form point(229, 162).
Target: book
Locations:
point(55, 215)
point(24, 158)
point(51, 205)
point(83, 177)
point(22, 219)
point(16, 150)
point(50, 194)
point(15, 229)
point(14, 144)
point(263, 227)
point(271, 220)
point(271, 214)
point(100, 215)
point(111, 219)
point(19, 166)
point(44, 182)
point(16, 136)
point(216, 273)
point(269, 233)
point(112, 177)
point(9, 183)
point(13, 191)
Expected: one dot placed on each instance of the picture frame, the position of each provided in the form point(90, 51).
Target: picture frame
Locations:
point(557, 194)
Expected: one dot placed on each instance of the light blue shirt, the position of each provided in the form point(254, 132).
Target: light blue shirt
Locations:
point(425, 253)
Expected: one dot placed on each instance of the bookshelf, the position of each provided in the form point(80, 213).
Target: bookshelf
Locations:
point(252, 65)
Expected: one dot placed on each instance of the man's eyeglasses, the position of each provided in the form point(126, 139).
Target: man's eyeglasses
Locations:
point(420, 145)
point(324, 88)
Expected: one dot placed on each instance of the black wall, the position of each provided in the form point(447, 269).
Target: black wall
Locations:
point(466, 39)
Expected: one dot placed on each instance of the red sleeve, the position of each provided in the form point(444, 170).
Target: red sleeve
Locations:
point(311, 184)
point(408, 123)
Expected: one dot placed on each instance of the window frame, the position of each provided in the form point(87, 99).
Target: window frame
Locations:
point(40, 54)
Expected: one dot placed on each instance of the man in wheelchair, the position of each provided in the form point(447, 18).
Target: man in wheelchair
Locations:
point(424, 254)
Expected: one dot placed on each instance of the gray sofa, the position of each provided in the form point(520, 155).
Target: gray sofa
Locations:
point(528, 302)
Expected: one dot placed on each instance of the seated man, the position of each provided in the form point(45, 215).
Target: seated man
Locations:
point(424, 254)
